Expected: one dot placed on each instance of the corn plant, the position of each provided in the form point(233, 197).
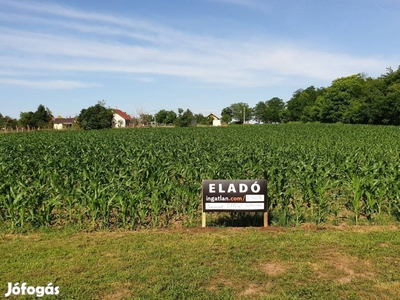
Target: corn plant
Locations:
point(355, 194)
point(151, 177)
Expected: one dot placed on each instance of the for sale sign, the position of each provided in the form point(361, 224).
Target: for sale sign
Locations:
point(234, 195)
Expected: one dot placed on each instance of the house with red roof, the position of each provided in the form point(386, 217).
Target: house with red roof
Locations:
point(121, 119)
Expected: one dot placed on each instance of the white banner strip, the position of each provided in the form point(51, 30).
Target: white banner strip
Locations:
point(255, 198)
point(235, 206)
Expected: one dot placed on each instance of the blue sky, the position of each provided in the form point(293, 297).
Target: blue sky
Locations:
point(143, 56)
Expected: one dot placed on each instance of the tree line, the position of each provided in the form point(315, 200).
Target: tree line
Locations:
point(101, 117)
point(355, 99)
point(41, 118)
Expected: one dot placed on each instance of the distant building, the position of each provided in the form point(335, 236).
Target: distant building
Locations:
point(121, 119)
point(216, 120)
point(63, 123)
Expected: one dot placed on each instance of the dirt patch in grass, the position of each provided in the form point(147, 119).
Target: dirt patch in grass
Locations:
point(273, 268)
point(254, 289)
point(334, 266)
point(388, 290)
point(247, 290)
point(120, 291)
point(200, 230)
point(120, 294)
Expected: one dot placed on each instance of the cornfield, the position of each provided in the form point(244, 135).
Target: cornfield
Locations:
point(151, 177)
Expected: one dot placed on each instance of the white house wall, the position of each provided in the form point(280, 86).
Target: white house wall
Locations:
point(216, 122)
point(119, 121)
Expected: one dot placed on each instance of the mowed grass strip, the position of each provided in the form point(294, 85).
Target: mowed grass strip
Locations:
point(211, 263)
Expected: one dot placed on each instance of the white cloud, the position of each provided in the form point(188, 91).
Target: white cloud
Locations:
point(147, 49)
point(253, 4)
point(145, 79)
point(46, 84)
point(58, 11)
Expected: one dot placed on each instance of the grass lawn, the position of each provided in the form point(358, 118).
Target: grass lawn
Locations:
point(211, 263)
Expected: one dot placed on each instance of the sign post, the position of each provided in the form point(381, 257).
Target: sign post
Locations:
point(234, 196)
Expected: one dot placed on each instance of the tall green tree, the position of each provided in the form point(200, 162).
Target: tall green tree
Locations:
point(301, 101)
point(372, 101)
point(26, 119)
point(226, 115)
point(241, 112)
point(269, 111)
point(96, 117)
point(184, 118)
point(170, 117)
point(259, 112)
point(273, 110)
point(7, 122)
point(390, 104)
point(343, 93)
point(161, 116)
point(391, 115)
point(41, 118)
point(312, 113)
point(165, 117)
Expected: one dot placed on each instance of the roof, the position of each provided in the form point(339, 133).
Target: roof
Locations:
point(121, 113)
point(64, 120)
point(213, 116)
